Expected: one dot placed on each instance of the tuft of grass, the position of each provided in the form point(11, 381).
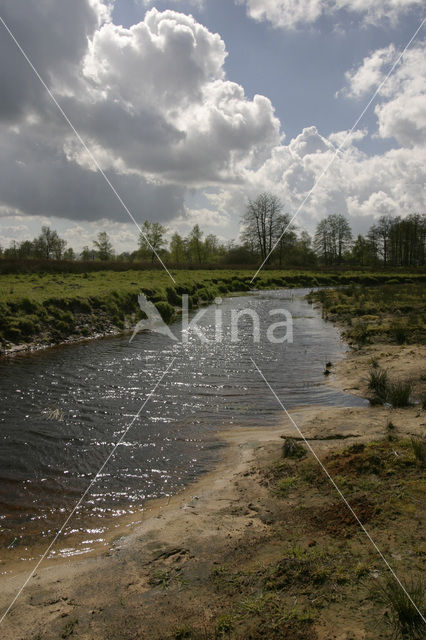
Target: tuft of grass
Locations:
point(161, 579)
point(400, 333)
point(179, 633)
point(403, 612)
point(285, 485)
point(378, 383)
point(293, 449)
point(419, 449)
point(224, 626)
point(390, 430)
point(399, 392)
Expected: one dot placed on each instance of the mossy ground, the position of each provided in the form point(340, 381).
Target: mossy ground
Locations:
point(392, 312)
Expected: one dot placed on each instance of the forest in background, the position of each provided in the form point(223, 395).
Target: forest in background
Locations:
point(267, 236)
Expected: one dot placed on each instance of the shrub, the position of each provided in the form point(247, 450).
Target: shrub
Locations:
point(172, 296)
point(404, 616)
point(292, 449)
point(166, 310)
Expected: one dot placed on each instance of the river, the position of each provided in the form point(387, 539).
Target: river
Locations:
point(62, 411)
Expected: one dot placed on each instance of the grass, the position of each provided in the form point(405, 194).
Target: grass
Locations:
point(321, 561)
point(399, 393)
point(378, 383)
point(402, 611)
point(285, 485)
point(396, 392)
point(53, 307)
point(393, 312)
point(419, 450)
point(302, 565)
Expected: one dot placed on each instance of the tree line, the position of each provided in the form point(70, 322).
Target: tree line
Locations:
point(267, 235)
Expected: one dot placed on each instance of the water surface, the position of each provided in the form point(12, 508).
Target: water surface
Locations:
point(63, 410)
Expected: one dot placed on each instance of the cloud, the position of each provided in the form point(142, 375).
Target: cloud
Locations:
point(56, 51)
point(401, 111)
point(357, 185)
point(291, 14)
point(163, 82)
point(152, 102)
point(36, 178)
point(199, 4)
point(369, 74)
point(347, 138)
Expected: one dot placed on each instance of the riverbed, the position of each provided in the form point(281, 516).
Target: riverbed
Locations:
point(63, 410)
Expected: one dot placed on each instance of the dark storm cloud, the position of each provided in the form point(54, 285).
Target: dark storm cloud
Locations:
point(39, 180)
point(54, 35)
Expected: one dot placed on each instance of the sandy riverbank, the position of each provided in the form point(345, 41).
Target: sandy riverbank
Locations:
point(164, 579)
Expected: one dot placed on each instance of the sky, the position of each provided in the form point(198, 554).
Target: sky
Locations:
point(191, 107)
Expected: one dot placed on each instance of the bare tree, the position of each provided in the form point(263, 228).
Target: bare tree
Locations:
point(260, 223)
point(333, 238)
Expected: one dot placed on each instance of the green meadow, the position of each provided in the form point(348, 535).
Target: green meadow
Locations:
point(54, 307)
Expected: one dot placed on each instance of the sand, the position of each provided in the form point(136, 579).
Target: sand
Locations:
point(117, 594)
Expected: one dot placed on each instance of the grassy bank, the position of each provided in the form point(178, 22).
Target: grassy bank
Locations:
point(393, 312)
point(48, 308)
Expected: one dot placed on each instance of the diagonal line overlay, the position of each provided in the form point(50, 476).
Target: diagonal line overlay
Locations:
point(92, 482)
point(339, 491)
point(84, 145)
point(316, 183)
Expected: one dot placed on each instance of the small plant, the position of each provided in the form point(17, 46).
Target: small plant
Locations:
point(419, 449)
point(399, 392)
point(69, 628)
point(360, 333)
point(224, 626)
point(400, 334)
point(286, 484)
point(374, 363)
point(378, 383)
point(390, 430)
point(293, 449)
point(180, 633)
point(403, 611)
point(160, 579)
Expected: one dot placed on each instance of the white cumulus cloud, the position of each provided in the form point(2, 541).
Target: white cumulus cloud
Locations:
point(401, 111)
point(290, 14)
